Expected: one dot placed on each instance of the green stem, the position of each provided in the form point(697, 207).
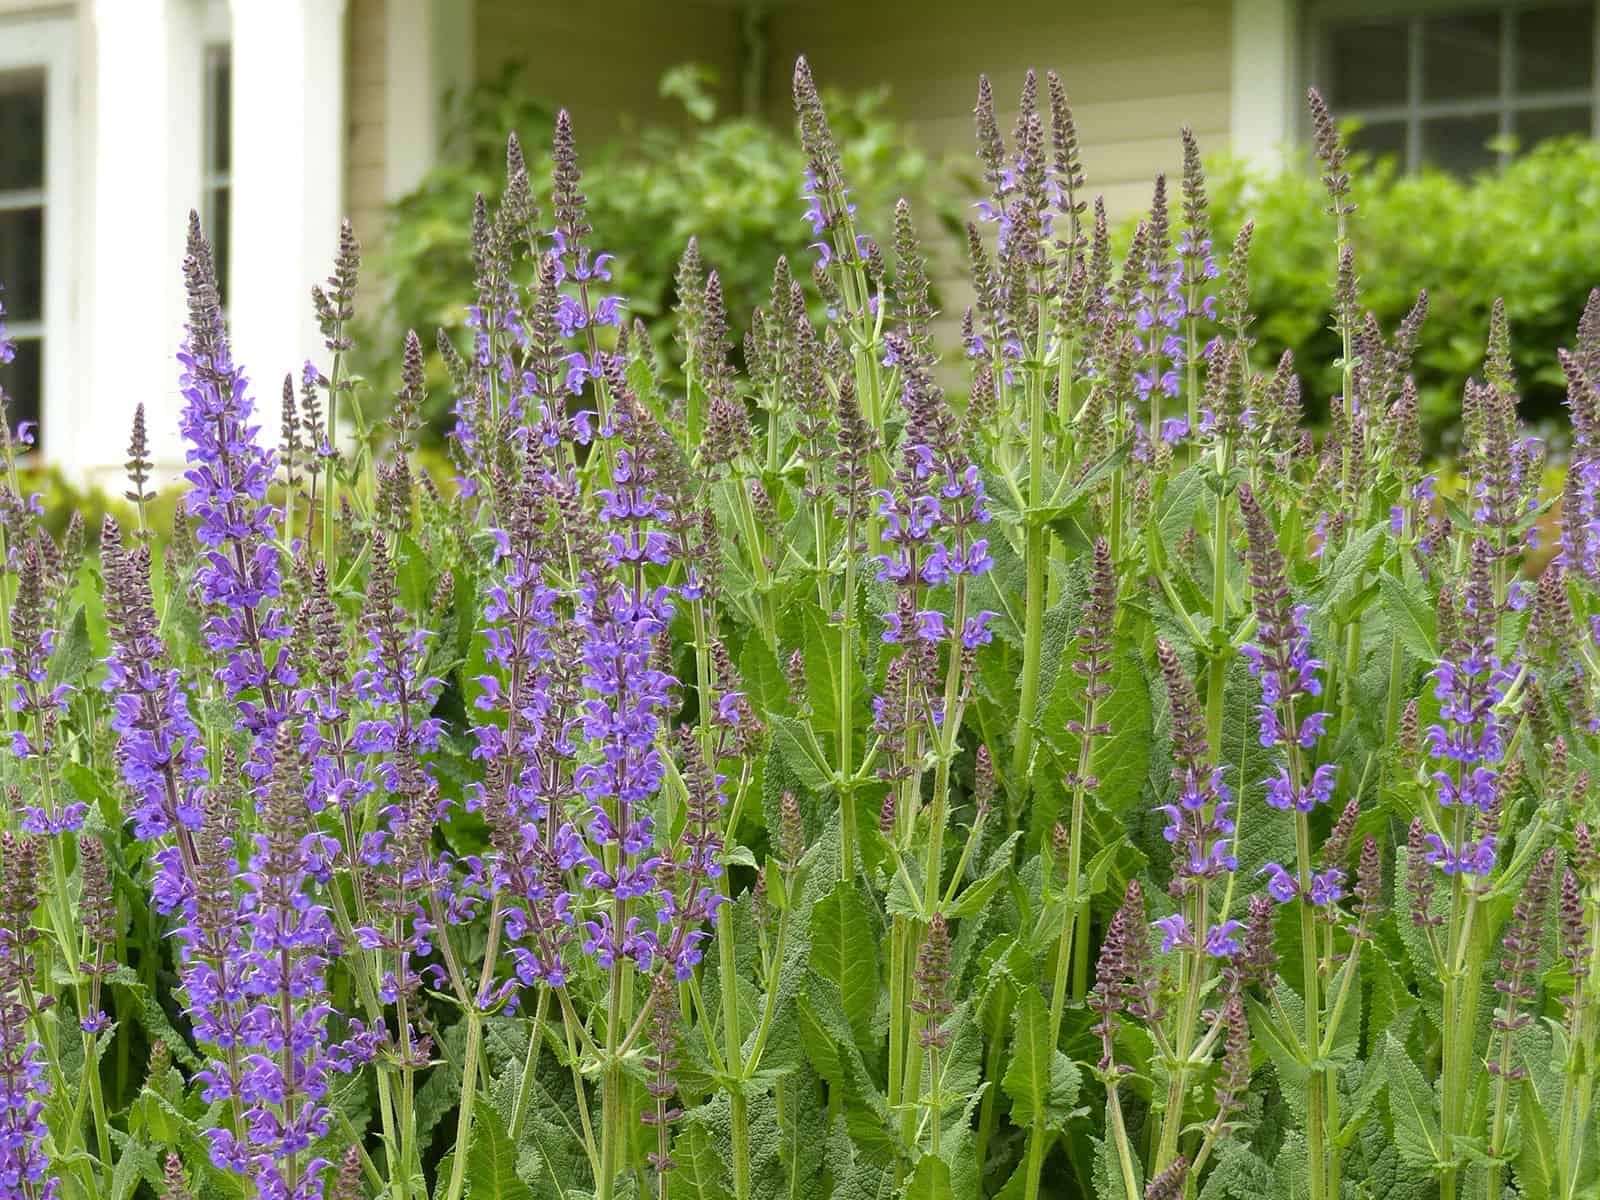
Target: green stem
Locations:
point(1033, 634)
point(732, 1049)
point(992, 1070)
point(530, 1066)
point(846, 712)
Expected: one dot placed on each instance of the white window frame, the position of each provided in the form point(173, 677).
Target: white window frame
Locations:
point(1414, 110)
point(35, 43)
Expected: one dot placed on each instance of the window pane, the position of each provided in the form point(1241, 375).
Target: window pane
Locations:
point(1460, 144)
point(1461, 56)
point(217, 231)
point(20, 378)
point(21, 131)
point(22, 262)
point(219, 151)
point(1555, 48)
point(1367, 64)
point(1535, 125)
point(1382, 139)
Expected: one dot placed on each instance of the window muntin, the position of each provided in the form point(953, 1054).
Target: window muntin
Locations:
point(1458, 86)
point(23, 203)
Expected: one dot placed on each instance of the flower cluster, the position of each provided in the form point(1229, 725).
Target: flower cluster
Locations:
point(1468, 741)
point(25, 1172)
point(229, 473)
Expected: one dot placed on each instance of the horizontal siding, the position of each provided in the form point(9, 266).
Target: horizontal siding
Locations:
point(604, 62)
point(366, 71)
point(1135, 72)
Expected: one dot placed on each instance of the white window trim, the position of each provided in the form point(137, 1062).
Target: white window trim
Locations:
point(1320, 14)
point(49, 43)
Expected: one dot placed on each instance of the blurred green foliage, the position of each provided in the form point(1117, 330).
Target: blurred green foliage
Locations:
point(1529, 232)
point(732, 181)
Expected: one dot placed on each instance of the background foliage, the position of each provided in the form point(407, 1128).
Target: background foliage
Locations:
point(731, 181)
point(1529, 233)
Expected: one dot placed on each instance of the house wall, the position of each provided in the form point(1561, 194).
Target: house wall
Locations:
point(603, 62)
point(1135, 72)
point(366, 77)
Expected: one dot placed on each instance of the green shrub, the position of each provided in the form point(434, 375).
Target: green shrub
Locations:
point(1529, 233)
point(730, 182)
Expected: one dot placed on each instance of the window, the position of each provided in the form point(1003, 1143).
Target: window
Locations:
point(36, 216)
point(218, 157)
point(1457, 86)
point(23, 104)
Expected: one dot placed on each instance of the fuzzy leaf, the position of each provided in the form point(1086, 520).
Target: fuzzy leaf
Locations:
point(977, 894)
point(701, 1172)
point(1411, 1106)
point(930, 1181)
point(844, 950)
point(1119, 759)
point(1537, 1155)
point(1343, 581)
point(1410, 615)
point(492, 1161)
point(1041, 1081)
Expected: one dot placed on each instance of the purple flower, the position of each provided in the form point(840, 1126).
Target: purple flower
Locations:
point(1281, 885)
point(229, 474)
point(1174, 932)
point(1282, 793)
point(1222, 940)
point(1469, 740)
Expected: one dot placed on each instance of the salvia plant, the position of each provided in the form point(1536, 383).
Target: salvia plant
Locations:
point(813, 766)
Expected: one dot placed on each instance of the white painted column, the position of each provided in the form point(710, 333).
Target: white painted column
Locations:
point(411, 95)
point(1264, 83)
point(288, 180)
point(130, 278)
point(427, 52)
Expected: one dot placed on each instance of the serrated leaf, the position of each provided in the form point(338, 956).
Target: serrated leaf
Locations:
point(700, 1172)
point(1411, 1106)
point(1343, 581)
point(1120, 759)
point(930, 1181)
point(1413, 620)
point(492, 1161)
point(845, 951)
point(1041, 1082)
point(791, 740)
point(1537, 1155)
point(978, 893)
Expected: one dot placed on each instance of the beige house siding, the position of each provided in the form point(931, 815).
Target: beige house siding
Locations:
point(1135, 72)
point(603, 62)
point(365, 79)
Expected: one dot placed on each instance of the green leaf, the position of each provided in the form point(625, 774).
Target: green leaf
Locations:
point(1041, 1081)
point(1537, 1155)
point(794, 743)
point(1240, 1174)
point(492, 1161)
point(73, 656)
point(930, 1181)
point(975, 895)
point(1411, 1106)
point(700, 1172)
point(1110, 1182)
point(148, 1012)
point(1183, 496)
point(1414, 621)
point(1120, 759)
point(1343, 581)
point(845, 951)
